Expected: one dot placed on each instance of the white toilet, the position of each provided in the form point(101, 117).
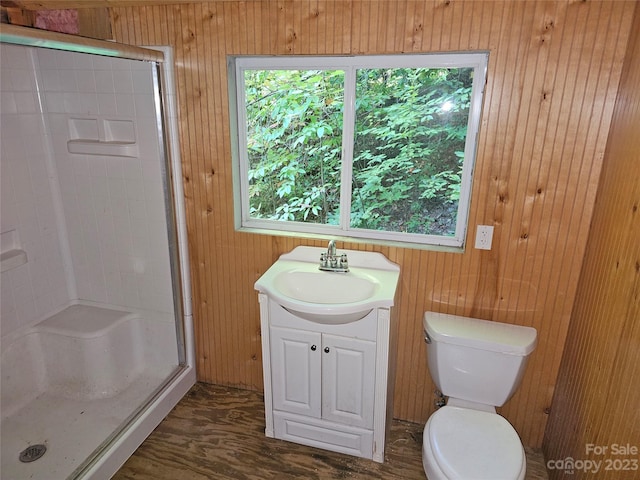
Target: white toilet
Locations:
point(478, 365)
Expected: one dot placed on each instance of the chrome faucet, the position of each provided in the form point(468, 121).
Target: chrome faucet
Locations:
point(332, 262)
point(331, 249)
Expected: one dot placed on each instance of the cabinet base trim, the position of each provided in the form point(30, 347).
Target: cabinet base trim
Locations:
point(322, 434)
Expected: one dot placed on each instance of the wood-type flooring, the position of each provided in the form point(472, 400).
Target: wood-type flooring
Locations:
point(218, 433)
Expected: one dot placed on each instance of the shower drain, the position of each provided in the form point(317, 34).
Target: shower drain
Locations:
point(32, 453)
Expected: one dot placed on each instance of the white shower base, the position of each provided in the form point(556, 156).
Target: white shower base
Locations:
point(71, 380)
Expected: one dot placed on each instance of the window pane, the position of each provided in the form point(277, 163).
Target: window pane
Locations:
point(294, 144)
point(410, 133)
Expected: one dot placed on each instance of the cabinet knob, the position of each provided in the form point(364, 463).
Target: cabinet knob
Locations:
point(326, 349)
point(313, 348)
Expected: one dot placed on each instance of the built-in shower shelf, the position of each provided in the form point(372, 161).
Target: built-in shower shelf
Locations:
point(12, 259)
point(111, 149)
point(112, 137)
point(11, 253)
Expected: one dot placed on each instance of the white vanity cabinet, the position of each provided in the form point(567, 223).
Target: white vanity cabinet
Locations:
point(323, 376)
point(327, 386)
point(328, 340)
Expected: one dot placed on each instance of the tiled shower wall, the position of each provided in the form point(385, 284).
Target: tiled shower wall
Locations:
point(114, 209)
point(38, 287)
point(114, 206)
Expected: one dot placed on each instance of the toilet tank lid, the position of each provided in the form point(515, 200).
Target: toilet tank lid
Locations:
point(482, 334)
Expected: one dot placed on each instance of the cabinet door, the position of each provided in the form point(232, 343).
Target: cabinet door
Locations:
point(348, 380)
point(295, 371)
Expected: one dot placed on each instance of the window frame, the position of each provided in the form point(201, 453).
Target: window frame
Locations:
point(237, 65)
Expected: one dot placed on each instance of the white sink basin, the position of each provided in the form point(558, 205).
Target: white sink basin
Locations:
point(295, 282)
point(320, 287)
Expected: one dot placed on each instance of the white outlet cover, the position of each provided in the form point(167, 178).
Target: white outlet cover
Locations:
point(484, 237)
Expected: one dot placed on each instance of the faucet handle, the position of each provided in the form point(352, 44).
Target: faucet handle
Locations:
point(344, 263)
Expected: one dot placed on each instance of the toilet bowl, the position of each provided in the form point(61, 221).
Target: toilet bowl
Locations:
point(478, 365)
point(466, 444)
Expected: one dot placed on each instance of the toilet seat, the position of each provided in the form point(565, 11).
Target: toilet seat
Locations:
point(471, 444)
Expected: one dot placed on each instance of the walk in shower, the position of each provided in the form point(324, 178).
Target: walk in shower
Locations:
point(95, 318)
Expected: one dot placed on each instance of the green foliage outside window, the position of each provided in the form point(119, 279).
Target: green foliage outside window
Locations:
point(408, 148)
point(294, 143)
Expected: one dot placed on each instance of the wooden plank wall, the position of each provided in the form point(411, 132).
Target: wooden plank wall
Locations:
point(597, 398)
point(553, 74)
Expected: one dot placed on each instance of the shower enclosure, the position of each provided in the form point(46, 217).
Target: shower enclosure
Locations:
point(95, 318)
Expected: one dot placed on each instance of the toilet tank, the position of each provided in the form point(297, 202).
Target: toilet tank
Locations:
point(477, 360)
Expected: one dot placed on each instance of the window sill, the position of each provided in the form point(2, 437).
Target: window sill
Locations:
point(353, 240)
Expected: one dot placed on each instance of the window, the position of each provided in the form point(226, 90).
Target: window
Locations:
point(370, 147)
